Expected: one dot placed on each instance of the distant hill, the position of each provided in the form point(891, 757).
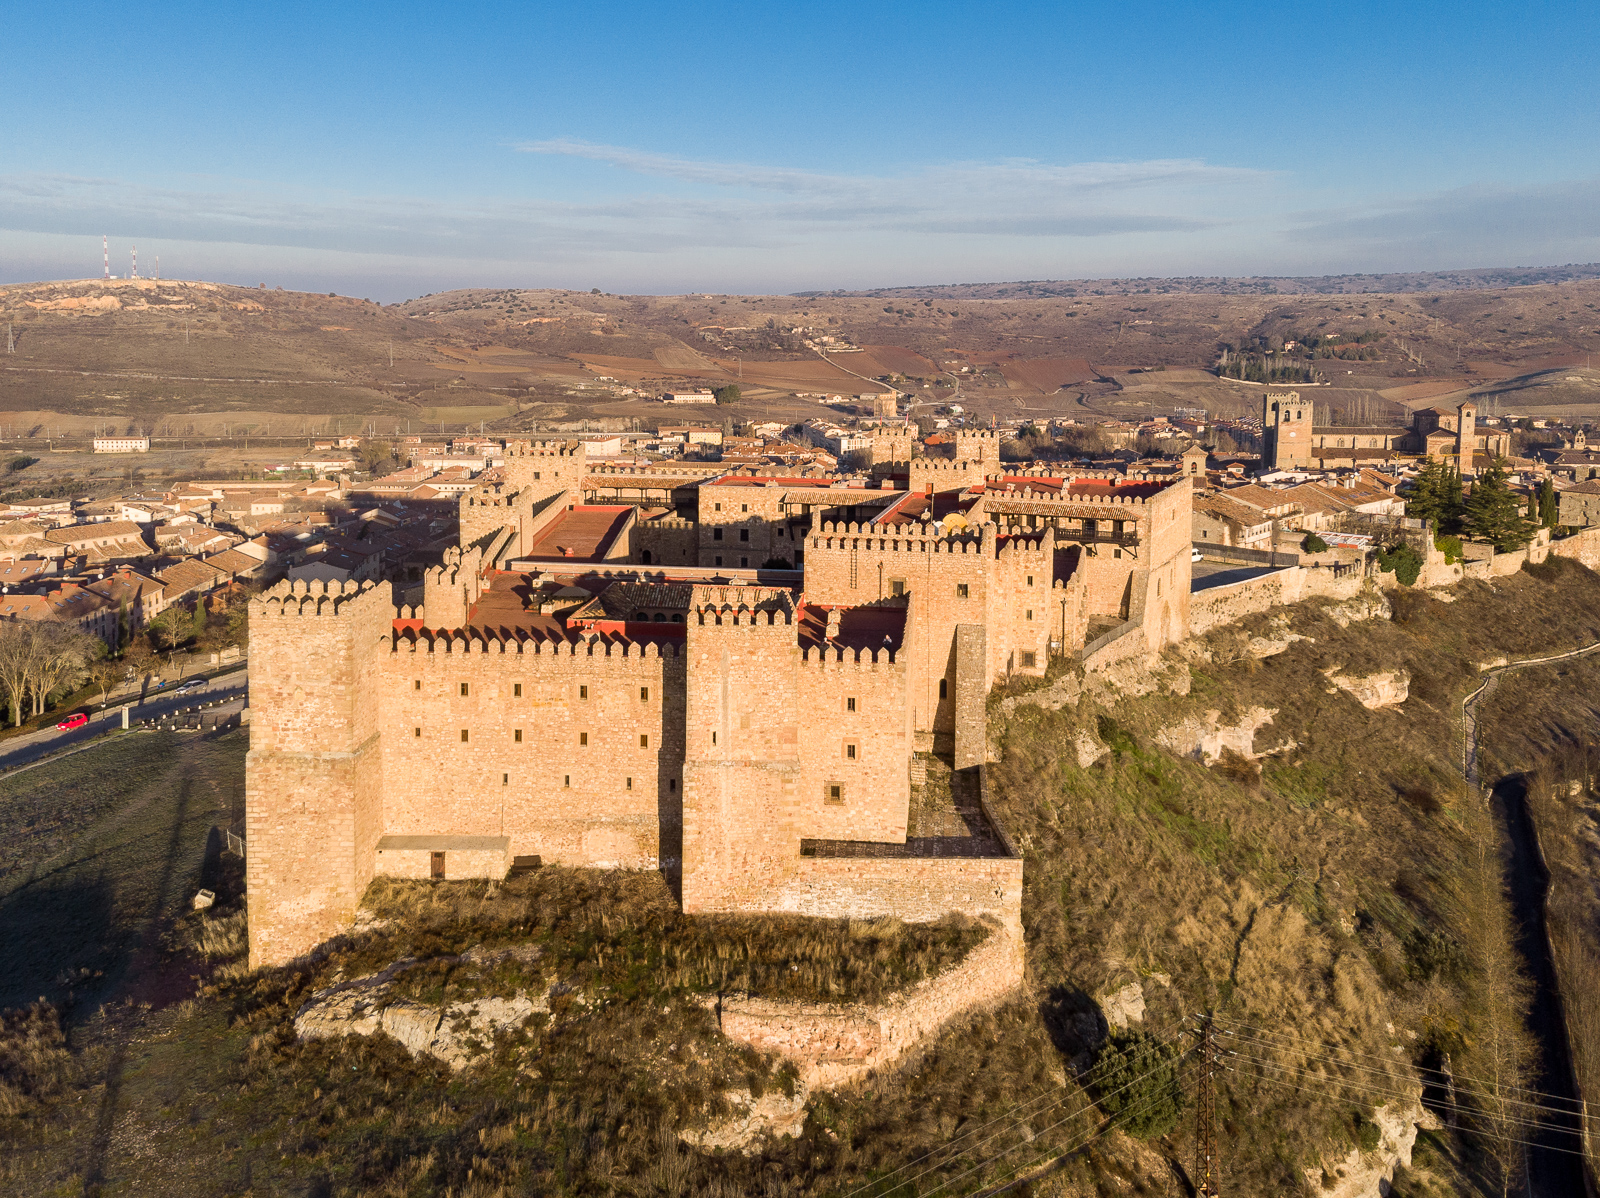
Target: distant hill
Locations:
point(1481, 279)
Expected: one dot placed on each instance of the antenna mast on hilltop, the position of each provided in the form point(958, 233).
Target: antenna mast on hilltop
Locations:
point(135, 273)
point(158, 266)
point(105, 248)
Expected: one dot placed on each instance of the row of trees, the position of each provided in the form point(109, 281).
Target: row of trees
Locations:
point(39, 658)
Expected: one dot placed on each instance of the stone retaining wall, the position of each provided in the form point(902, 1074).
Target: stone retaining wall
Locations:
point(835, 1044)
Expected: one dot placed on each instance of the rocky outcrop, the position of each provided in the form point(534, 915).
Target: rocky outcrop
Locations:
point(1124, 1007)
point(1206, 739)
point(457, 1033)
point(774, 1115)
point(1361, 1174)
point(1386, 688)
point(1368, 605)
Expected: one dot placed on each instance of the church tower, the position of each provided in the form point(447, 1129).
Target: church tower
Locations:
point(1285, 431)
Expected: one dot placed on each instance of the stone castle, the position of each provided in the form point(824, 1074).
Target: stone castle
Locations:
point(737, 680)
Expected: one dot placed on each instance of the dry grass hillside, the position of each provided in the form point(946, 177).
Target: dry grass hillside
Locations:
point(185, 359)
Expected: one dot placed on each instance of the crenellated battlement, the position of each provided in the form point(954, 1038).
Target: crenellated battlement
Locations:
point(840, 658)
point(546, 449)
point(867, 535)
point(456, 642)
point(311, 597)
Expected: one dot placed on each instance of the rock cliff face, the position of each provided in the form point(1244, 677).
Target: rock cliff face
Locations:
point(1387, 688)
point(457, 1033)
point(775, 1113)
point(1207, 739)
point(1369, 1174)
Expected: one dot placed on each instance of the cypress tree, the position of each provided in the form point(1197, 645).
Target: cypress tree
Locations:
point(1549, 505)
point(1492, 513)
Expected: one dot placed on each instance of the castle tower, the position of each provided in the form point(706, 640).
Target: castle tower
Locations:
point(980, 445)
point(741, 761)
point(313, 778)
point(1466, 438)
point(1285, 431)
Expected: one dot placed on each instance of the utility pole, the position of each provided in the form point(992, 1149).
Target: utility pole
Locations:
point(1205, 1119)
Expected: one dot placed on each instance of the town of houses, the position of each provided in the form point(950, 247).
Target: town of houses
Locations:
point(110, 565)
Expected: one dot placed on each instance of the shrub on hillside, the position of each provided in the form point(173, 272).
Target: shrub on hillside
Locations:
point(1403, 561)
point(1313, 544)
point(1135, 1081)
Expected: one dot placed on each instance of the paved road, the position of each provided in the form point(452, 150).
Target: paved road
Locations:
point(230, 688)
point(1209, 574)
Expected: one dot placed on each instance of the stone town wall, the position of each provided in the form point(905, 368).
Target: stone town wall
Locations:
point(835, 1044)
point(1216, 606)
point(313, 785)
point(941, 474)
point(574, 751)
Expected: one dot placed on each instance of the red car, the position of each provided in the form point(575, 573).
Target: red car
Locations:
point(73, 721)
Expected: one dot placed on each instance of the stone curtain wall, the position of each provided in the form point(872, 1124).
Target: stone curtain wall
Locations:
point(579, 788)
point(876, 781)
point(1216, 606)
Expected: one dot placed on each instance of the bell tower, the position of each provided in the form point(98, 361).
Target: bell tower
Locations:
point(1285, 431)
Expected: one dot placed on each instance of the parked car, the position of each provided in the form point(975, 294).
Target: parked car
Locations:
point(190, 685)
point(1196, 556)
point(73, 721)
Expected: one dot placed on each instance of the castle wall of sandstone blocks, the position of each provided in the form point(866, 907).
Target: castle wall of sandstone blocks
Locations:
point(755, 742)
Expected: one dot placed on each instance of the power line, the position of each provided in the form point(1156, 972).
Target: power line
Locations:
point(1011, 1118)
point(1456, 1079)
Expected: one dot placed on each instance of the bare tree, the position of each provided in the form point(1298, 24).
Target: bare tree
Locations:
point(62, 657)
point(16, 650)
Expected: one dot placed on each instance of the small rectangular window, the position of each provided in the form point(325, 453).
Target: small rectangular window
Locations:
point(713, 738)
point(850, 703)
point(716, 534)
point(416, 732)
point(850, 750)
point(717, 507)
point(897, 587)
point(744, 507)
point(516, 735)
point(644, 740)
point(516, 690)
point(644, 694)
point(630, 783)
point(672, 784)
point(535, 476)
point(744, 534)
point(416, 684)
point(566, 779)
point(744, 561)
point(463, 690)
point(944, 688)
point(463, 736)
point(1028, 615)
point(505, 779)
point(1030, 580)
point(961, 590)
point(1030, 661)
point(583, 738)
point(583, 692)
point(718, 561)
point(833, 793)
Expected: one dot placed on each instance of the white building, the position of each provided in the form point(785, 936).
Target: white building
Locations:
point(122, 444)
point(688, 397)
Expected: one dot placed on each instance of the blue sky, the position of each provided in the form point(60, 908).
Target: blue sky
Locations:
point(391, 150)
